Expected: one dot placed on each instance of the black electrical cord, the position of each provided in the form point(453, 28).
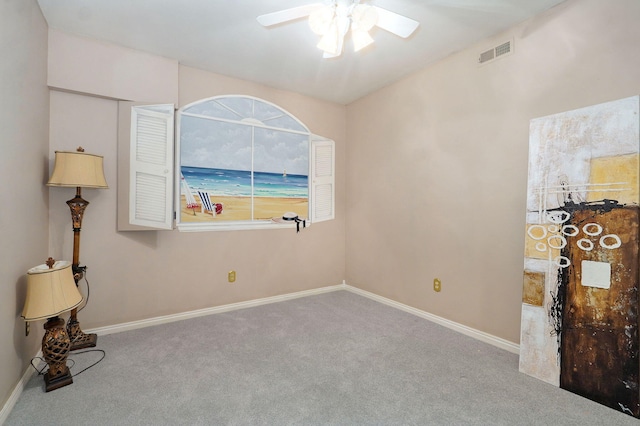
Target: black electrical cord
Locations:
point(40, 372)
point(84, 274)
point(95, 363)
point(44, 370)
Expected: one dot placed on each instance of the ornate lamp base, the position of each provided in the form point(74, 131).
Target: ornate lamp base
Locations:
point(55, 349)
point(79, 339)
point(53, 383)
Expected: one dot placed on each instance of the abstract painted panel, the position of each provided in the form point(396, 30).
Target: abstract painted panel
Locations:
point(580, 327)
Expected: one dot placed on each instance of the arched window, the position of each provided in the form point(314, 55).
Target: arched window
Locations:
point(241, 160)
point(240, 163)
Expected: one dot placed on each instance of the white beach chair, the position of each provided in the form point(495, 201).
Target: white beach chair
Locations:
point(190, 200)
point(207, 206)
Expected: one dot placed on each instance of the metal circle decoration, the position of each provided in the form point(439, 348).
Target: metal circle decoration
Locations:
point(617, 242)
point(584, 244)
point(587, 229)
point(542, 228)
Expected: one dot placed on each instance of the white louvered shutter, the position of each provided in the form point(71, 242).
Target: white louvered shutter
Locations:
point(151, 167)
point(322, 179)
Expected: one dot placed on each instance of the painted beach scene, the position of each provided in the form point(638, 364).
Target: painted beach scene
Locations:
point(241, 171)
point(243, 195)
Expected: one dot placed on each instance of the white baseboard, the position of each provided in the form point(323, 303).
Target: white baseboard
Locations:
point(468, 331)
point(17, 391)
point(133, 325)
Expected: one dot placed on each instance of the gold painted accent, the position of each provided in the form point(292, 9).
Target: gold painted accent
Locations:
point(533, 288)
point(622, 169)
point(437, 284)
point(539, 248)
point(232, 276)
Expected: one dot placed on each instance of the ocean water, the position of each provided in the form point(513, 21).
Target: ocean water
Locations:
point(238, 183)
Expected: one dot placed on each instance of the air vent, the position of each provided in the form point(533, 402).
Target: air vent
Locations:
point(503, 49)
point(487, 56)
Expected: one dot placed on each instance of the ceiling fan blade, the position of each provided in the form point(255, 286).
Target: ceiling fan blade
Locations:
point(394, 23)
point(287, 15)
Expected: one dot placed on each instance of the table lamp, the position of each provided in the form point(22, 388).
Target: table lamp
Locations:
point(79, 170)
point(51, 290)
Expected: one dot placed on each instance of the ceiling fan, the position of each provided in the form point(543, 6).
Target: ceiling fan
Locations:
point(334, 18)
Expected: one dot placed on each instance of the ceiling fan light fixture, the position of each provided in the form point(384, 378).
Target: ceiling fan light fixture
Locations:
point(363, 17)
point(333, 19)
point(361, 39)
point(330, 41)
point(320, 20)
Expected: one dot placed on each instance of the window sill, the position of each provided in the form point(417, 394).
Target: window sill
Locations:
point(235, 226)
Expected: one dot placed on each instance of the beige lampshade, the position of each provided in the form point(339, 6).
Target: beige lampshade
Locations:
point(78, 169)
point(50, 292)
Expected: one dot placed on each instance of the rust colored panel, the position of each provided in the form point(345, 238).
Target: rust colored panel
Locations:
point(599, 344)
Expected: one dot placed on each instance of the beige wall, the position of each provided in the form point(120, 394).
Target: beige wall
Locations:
point(91, 67)
point(24, 108)
point(434, 186)
point(437, 170)
point(145, 274)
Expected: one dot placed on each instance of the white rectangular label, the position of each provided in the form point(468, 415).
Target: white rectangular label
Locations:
point(596, 274)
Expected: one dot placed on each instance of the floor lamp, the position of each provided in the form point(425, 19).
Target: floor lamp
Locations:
point(51, 290)
point(79, 170)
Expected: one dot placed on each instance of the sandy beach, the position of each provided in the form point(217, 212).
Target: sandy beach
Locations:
point(239, 208)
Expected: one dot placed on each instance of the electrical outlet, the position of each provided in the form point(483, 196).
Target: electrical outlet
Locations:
point(437, 284)
point(232, 276)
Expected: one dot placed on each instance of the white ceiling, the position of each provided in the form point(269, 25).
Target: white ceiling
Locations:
point(224, 37)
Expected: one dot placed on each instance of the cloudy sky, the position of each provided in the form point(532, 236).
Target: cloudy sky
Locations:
point(227, 145)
